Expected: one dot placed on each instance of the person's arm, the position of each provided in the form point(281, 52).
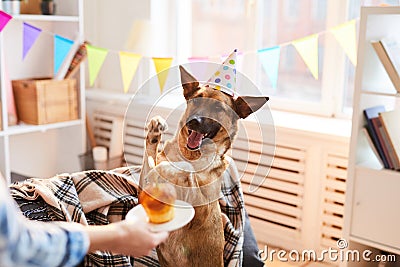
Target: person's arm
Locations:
point(125, 237)
point(31, 243)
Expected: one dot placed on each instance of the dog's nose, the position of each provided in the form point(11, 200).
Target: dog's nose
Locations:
point(195, 121)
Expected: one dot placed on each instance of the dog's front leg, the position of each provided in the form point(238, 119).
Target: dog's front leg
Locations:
point(155, 128)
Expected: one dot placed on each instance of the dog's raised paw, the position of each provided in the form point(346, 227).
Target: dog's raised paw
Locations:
point(156, 126)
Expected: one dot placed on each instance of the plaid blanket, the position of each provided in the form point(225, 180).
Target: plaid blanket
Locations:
point(102, 197)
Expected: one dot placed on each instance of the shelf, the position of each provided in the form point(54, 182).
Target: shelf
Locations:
point(374, 244)
point(26, 128)
point(21, 144)
point(372, 192)
point(54, 18)
point(380, 93)
point(365, 167)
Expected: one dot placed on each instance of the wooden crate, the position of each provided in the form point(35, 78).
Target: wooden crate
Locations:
point(31, 7)
point(43, 101)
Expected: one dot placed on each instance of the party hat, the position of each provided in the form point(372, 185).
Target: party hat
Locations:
point(224, 78)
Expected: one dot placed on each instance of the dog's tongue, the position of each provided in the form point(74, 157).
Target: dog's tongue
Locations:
point(194, 140)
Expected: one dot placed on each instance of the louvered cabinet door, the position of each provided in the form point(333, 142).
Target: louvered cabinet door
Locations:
point(272, 177)
point(333, 198)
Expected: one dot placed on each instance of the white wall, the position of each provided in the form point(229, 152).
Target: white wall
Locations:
point(111, 25)
point(108, 25)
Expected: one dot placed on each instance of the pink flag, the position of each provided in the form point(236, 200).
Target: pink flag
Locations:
point(198, 67)
point(4, 19)
point(11, 110)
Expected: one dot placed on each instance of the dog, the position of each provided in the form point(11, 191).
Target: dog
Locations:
point(194, 160)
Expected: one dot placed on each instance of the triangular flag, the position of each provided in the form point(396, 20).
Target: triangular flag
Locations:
point(129, 63)
point(270, 61)
point(198, 59)
point(11, 109)
point(225, 77)
point(61, 49)
point(162, 68)
point(308, 50)
point(198, 67)
point(345, 34)
point(30, 34)
point(4, 19)
point(96, 57)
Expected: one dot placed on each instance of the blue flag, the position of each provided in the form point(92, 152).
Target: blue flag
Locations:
point(270, 58)
point(61, 49)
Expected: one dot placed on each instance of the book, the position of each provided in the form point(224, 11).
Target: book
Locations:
point(79, 57)
point(391, 126)
point(380, 133)
point(372, 146)
point(388, 52)
point(369, 114)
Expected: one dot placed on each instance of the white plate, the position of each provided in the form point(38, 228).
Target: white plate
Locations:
point(184, 213)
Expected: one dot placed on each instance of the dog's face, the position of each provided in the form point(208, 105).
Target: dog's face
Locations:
point(211, 115)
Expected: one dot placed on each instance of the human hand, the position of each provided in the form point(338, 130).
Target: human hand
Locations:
point(127, 237)
point(138, 239)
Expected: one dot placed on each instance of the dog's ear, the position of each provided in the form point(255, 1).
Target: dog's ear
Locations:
point(245, 105)
point(189, 83)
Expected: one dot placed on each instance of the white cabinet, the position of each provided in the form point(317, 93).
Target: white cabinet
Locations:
point(42, 150)
point(375, 216)
point(372, 212)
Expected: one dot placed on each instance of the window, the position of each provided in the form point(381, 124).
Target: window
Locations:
point(218, 26)
point(291, 9)
point(319, 9)
point(258, 24)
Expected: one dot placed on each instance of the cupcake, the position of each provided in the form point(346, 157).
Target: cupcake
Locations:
point(157, 200)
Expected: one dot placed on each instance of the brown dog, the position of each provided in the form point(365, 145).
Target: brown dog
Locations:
point(194, 161)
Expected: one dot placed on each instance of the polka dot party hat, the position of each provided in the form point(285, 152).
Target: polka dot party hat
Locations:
point(224, 78)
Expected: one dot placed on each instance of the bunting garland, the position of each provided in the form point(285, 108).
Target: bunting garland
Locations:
point(308, 50)
point(345, 34)
point(4, 19)
point(30, 34)
point(61, 49)
point(198, 70)
point(270, 61)
point(129, 63)
point(307, 47)
point(162, 66)
point(96, 57)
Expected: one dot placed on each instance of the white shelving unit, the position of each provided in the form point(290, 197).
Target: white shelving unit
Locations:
point(40, 150)
point(372, 213)
point(47, 18)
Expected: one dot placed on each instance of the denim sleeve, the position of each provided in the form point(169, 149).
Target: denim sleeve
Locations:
point(30, 243)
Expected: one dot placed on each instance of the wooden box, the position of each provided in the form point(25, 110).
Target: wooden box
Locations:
point(43, 101)
point(31, 7)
